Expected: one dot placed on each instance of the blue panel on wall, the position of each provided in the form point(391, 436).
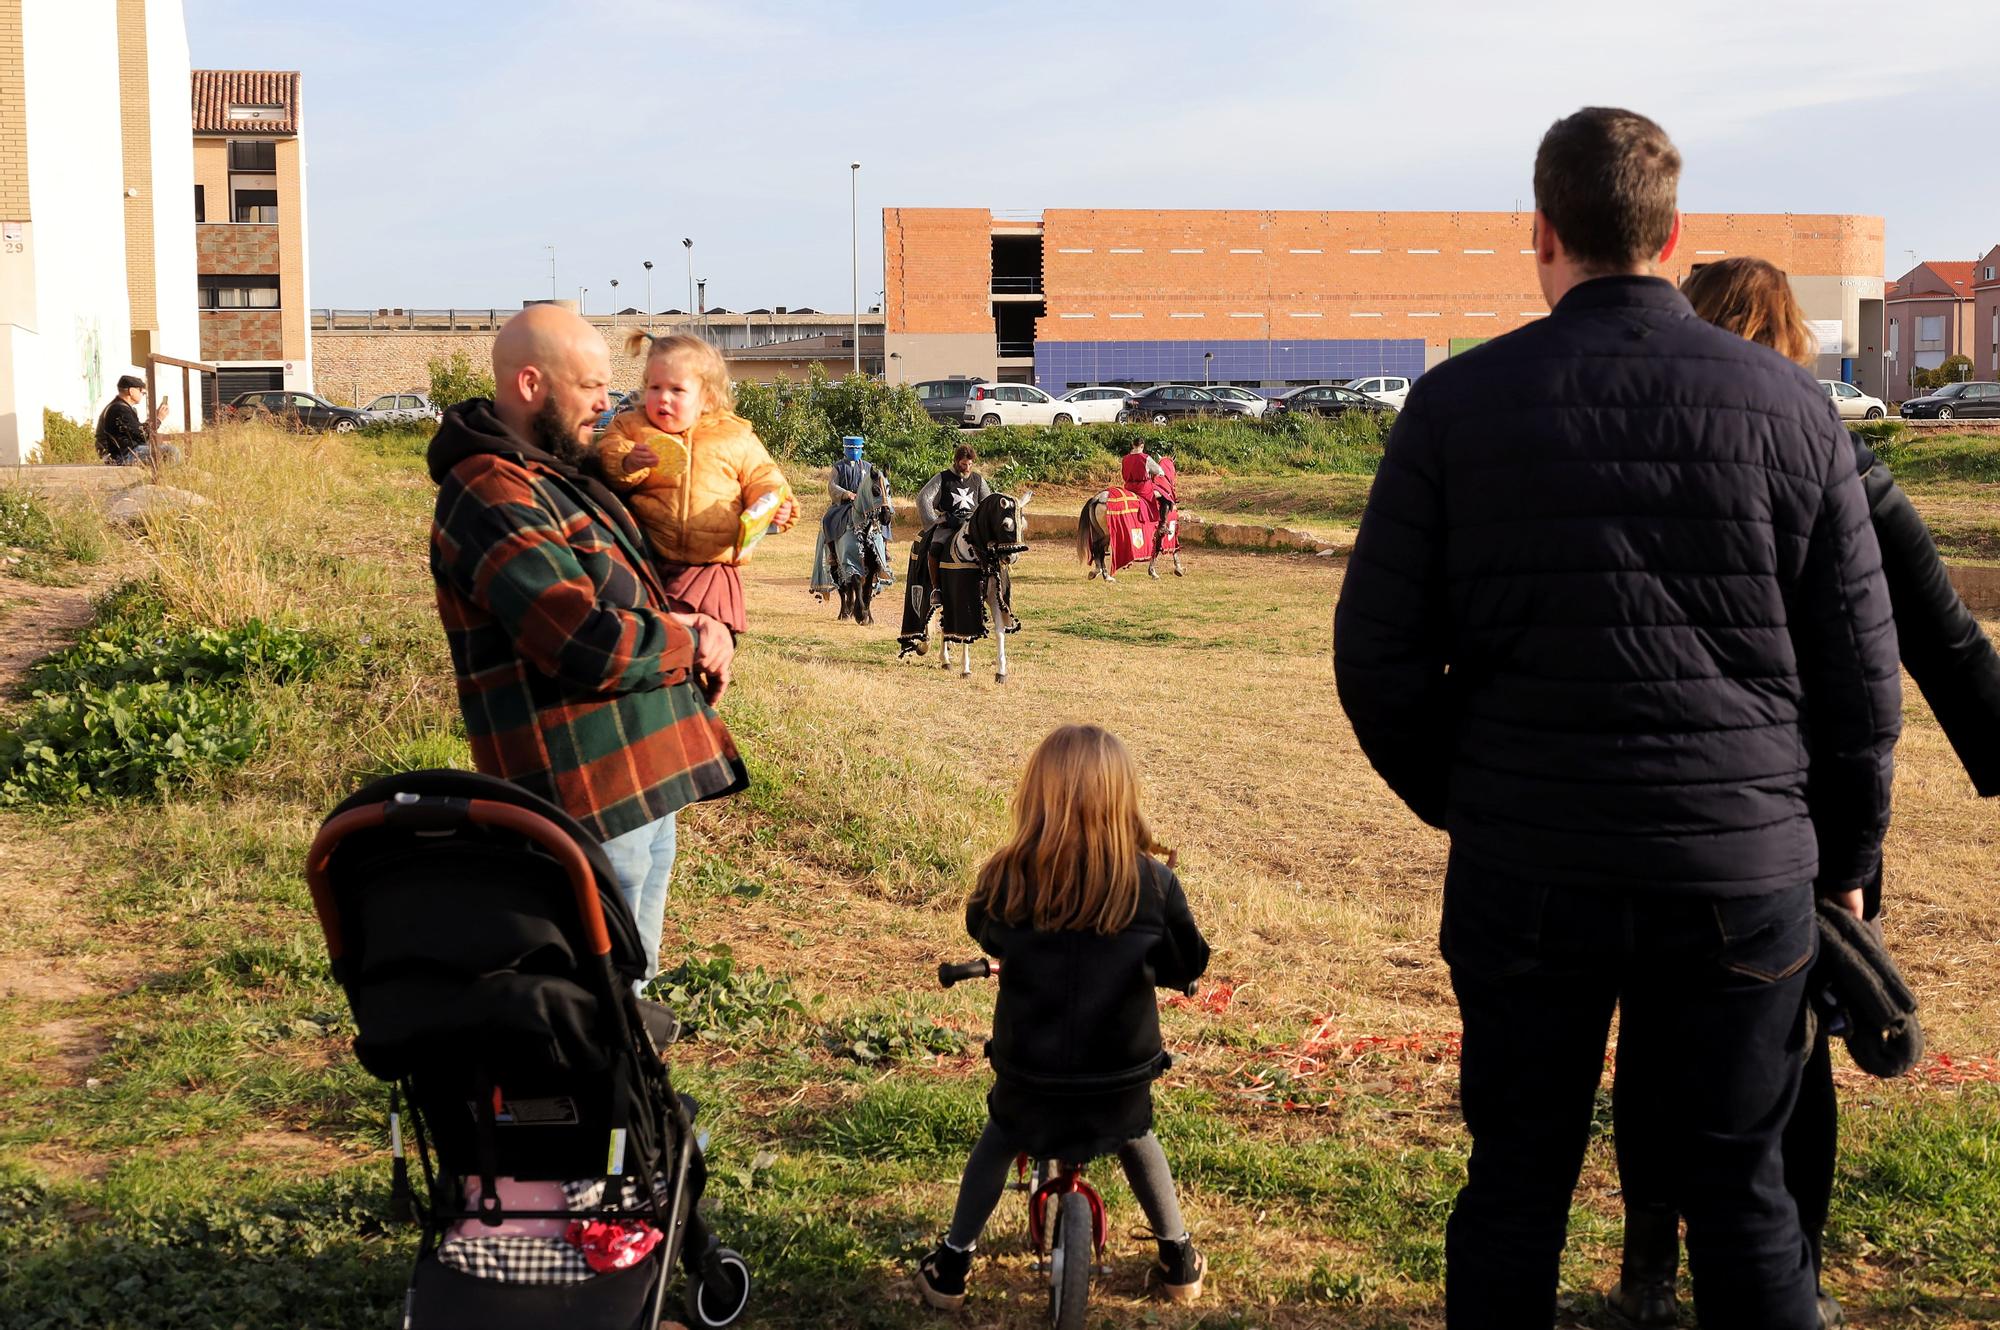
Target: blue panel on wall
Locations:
point(1060, 366)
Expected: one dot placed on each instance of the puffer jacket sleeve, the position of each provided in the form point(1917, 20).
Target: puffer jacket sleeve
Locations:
point(1389, 626)
point(1844, 638)
point(1181, 955)
point(757, 470)
point(1941, 644)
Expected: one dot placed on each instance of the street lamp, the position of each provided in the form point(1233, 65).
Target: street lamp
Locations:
point(1206, 356)
point(688, 245)
point(854, 254)
point(552, 271)
point(614, 303)
point(581, 292)
point(649, 295)
point(897, 356)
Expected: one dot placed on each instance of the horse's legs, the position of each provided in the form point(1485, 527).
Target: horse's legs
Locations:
point(1178, 570)
point(993, 598)
point(947, 654)
point(846, 601)
point(965, 660)
point(864, 597)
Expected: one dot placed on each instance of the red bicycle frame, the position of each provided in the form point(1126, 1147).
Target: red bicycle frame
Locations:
point(1065, 1178)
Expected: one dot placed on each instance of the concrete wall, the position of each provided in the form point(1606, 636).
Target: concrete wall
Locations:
point(940, 355)
point(160, 243)
point(76, 182)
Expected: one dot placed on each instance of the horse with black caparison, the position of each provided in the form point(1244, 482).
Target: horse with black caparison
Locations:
point(975, 584)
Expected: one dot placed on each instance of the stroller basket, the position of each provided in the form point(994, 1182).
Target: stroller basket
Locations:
point(489, 960)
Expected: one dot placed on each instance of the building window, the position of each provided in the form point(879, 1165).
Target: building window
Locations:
point(200, 204)
point(1930, 331)
point(256, 111)
point(253, 155)
point(256, 205)
point(219, 291)
point(1894, 337)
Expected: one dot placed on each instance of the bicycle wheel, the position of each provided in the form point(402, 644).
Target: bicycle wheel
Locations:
point(1069, 1264)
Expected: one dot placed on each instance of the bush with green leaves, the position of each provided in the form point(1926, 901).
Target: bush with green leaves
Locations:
point(1952, 370)
point(65, 441)
point(125, 650)
point(37, 536)
point(894, 1036)
point(714, 998)
point(457, 378)
point(128, 739)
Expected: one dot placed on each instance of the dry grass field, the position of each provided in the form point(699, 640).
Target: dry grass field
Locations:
point(180, 1118)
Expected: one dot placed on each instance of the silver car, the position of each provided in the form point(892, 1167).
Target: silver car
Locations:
point(407, 407)
point(1253, 402)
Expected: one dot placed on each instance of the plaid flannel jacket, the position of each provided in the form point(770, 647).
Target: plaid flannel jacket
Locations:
point(573, 682)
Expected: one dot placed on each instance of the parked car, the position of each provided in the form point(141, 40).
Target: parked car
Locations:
point(944, 399)
point(989, 404)
point(403, 406)
point(618, 402)
point(1095, 405)
point(297, 410)
point(1966, 401)
point(1255, 403)
point(1388, 389)
point(1852, 403)
point(1326, 400)
point(1170, 401)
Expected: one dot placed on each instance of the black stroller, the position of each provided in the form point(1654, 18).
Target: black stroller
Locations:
point(489, 959)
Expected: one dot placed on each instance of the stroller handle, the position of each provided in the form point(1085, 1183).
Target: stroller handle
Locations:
point(437, 813)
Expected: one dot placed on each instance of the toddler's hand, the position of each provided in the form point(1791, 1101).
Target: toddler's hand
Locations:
point(782, 519)
point(640, 458)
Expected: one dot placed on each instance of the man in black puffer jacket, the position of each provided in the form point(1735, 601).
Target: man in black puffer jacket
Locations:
point(1616, 621)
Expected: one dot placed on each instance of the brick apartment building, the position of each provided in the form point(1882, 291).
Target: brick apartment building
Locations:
point(1271, 299)
point(96, 247)
point(1931, 317)
point(250, 228)
point(1986, 316)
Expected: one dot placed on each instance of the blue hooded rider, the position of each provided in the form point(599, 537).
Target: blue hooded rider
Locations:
point(855, 480)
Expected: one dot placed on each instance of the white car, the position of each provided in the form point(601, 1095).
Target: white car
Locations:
point(1254, 403)
point(1094, 405)
point(1385, 388)
point(404, 407)
point(1852, 403)
point(1014, 404)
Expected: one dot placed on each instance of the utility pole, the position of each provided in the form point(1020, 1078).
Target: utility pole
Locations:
point(688, 245)
point(552, 271)
point(854, 253)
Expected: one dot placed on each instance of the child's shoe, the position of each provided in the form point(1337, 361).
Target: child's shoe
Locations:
point(941, 1276)
point(1179, 1273)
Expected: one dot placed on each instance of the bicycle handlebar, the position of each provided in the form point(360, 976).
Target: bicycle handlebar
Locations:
point(949, 973)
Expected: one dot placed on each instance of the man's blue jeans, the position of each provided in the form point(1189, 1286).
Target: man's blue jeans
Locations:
point(643, 859)
point(1711, 1000)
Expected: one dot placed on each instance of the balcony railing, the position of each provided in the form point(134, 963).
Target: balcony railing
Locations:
point(1027, 285)
point(1014, 350)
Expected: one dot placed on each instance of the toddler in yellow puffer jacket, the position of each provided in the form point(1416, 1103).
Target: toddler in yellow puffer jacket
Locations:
point(709, 490)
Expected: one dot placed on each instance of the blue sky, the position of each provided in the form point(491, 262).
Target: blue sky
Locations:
point(448, 144)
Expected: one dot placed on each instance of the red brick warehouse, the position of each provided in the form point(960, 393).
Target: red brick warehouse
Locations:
point(1275, 299)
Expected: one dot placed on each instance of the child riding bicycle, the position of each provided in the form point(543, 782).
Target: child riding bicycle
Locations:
point(1086, 923)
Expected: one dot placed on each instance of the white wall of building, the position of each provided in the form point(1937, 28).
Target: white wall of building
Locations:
point(300, 374)
point(172, 202)
point(76, 190)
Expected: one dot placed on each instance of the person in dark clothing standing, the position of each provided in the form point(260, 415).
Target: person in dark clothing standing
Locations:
point(121, 439)
point(1616, 620)
point(1958, 670)
point(946, 501)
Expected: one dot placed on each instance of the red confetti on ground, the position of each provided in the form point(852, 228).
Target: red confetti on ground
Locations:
point(1214, 1000)
point(1944, 1069)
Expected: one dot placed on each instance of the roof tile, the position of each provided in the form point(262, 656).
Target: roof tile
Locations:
point(216, 90)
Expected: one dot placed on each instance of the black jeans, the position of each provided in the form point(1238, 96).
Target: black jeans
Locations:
point(1810, 1148)
point(1712, 996)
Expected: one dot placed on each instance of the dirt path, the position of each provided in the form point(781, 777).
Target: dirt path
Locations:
point(35, 620)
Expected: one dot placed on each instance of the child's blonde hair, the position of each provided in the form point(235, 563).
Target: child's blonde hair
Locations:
point(1073, 860)
point(718, 397)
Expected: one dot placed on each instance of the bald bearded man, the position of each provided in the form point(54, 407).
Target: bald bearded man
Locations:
point(574, 680)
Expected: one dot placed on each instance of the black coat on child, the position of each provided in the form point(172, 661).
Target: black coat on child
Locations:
point(1076, 1030)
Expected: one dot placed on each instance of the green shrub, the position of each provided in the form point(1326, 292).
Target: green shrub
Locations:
point(136, 650)
point(1949, 457)
point(1952, 370)
point(893, 1036)
point(714, 998)
point(457, 378)
point(40, 536)
point(129, 739)
point(64, 441)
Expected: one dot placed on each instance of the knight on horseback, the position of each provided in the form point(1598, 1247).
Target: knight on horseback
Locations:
point(852, 555)
point(1139, 520)
point(946, 501)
